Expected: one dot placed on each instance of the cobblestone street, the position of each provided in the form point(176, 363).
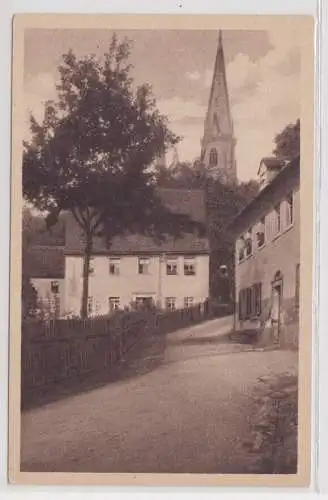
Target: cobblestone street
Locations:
point(180, 404)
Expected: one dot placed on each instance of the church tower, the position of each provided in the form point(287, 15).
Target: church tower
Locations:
point(218, 143)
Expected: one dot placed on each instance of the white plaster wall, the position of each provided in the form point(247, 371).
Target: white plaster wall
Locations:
point(129, 284)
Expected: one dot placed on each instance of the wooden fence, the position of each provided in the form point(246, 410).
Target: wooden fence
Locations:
point(59, 350)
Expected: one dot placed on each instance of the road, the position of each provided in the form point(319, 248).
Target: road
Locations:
point(183, 404)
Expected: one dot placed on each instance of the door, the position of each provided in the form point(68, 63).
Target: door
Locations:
point(275, 310)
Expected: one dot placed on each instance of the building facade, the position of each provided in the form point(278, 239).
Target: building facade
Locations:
point(267, 259)
point(45, 267)
point(218, 142)
point(135, 269)
point(117, 281)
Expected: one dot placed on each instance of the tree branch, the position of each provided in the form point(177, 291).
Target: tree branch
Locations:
point(82, 223)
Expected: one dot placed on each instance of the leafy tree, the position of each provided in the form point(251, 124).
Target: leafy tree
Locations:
point(92, 152)
point(184, 175)
point(287, 142)
point(223, 202)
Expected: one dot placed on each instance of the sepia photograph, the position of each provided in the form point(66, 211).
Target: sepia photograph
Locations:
point(162, 205)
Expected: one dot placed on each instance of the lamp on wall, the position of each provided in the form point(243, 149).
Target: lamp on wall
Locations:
point(223, 269)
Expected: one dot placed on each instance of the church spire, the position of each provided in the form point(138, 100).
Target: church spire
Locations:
point(218, 141)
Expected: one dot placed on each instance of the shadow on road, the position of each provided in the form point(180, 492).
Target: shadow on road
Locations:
point(227, 338)
point(143, 358)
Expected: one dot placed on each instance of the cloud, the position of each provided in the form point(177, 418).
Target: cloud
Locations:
point(193, 76)
point(208, 77)
point(177, 109)
point(265, 97)
point(186, 120)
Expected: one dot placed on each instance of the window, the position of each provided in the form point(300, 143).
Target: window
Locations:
point(289, 209)
point(277, 218)
point(113, 303)
point(170, 303)
point(257, 299)
point(260, 235)
point(188, 302)
point(250, 301)
point(241, 250)
point(189, 266)
point(114, 266)
point(143, 265)
point(297, 288)
point(171, 267)
point(54, 287)
point(91, 266)
point(90, 305)
point(248, 242)
point(213, 157)
point(242, 304)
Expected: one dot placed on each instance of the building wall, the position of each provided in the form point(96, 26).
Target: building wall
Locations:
point(266, 176)
point(279, 253)
point(129, 284)
point(46, 298)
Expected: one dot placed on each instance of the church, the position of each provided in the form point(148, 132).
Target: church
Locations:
point(173, 274)
point(218, 142)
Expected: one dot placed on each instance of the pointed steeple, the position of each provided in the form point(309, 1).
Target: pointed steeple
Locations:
point(218, 141)
point(218, 111)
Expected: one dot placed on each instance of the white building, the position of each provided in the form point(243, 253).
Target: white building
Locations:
point(172, 274)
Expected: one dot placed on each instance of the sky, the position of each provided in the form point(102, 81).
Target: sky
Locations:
point(263, 74)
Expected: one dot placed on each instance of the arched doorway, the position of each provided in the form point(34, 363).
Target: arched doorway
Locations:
point(277, 290)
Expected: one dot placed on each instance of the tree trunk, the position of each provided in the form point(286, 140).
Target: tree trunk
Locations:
point(86, 270)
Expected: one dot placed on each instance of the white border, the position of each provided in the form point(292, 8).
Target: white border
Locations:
point(159, 6)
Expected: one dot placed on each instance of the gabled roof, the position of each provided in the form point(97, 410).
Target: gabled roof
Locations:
point(273, 163)
point(180, 201)
point(44, 262)
point(264, 198)
point(185, 201)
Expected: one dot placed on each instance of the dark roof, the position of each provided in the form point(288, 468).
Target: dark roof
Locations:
point(185, 201)
point(44, 262)
point(265, 195)
point(273, 163)
point(180, 201)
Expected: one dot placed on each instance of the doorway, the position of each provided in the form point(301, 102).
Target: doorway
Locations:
point(276, 306)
